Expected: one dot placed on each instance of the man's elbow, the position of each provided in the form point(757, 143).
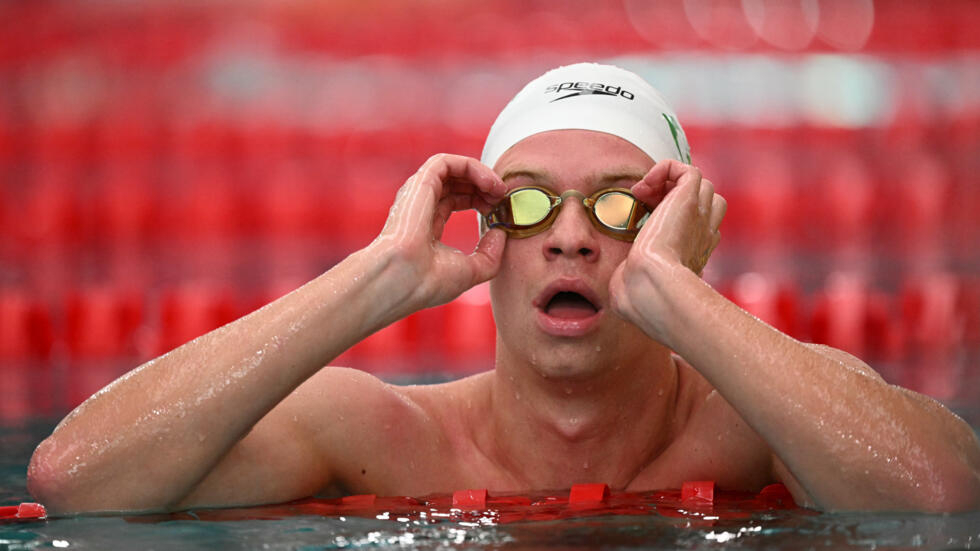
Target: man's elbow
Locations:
point(55, 478)
point(46, 479)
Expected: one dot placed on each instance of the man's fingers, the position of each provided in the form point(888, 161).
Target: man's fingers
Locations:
point(651, 188)
point(674, 174)
point(718, 208)
point(422, 200)
point(445, 168)
point(485, 260)
point(705, 196)
point(456, 187)
point(650, 194)
point(453, 203)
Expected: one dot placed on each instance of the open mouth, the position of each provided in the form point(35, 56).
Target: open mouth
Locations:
point(569, 305)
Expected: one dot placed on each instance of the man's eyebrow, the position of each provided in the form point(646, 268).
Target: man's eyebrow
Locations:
point(538, 176)
point(618, 175)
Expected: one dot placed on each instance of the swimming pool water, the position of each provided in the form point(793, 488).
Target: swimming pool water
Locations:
point(777, 529)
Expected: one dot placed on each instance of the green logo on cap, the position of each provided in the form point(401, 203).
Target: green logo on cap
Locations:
point(675, 130)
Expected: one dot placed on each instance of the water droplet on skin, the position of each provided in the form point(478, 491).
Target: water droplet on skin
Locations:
point(573, 421)
point(201, 437)
point(660, 392)
point(568, 390)
point(585, 465)
point(598, 348)
point(517, 396)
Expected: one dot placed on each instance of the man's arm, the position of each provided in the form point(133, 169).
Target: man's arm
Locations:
point(152, 439)
point(842, 437)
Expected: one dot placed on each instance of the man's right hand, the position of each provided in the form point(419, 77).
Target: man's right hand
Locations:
point(434, 272)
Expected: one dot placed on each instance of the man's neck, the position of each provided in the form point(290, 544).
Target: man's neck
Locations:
point(551, 432)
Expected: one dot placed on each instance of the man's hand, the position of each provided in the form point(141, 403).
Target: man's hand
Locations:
point(681, 232)
point(437, 273)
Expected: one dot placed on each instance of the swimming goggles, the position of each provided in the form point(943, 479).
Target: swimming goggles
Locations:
point(526, 211)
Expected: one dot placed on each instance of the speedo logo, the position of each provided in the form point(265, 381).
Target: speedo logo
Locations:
point(571, 89)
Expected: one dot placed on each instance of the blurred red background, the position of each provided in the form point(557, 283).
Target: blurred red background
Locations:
point(166, 167)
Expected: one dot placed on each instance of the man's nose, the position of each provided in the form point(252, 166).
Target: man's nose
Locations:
point(572, 234)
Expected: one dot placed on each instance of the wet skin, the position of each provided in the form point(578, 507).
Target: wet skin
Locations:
point(582, 391)
point(578, 398)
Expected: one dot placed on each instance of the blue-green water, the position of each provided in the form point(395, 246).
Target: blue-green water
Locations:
point(796, 530)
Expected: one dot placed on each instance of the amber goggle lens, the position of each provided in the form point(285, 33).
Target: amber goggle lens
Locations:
point(527, 211)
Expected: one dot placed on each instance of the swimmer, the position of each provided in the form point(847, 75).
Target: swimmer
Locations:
point(615, 362)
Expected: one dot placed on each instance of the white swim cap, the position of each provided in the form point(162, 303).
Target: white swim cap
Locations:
point(589, 96)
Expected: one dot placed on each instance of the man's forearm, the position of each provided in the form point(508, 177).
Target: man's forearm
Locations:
point(146, 440)
point(851, 440)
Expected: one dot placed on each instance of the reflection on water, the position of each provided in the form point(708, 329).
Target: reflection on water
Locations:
point(775, 529)
point(782, 531)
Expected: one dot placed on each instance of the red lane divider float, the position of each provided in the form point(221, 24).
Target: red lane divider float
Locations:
point(24, 511)
point(588, 493)
point(697, 503)
point(701, 492)
point(472, 499)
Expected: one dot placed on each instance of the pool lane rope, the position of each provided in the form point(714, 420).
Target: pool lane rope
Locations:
point(697, 501)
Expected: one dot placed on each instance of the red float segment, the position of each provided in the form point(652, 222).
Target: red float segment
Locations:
point(470, 498)
point(701, 491)
point(359, 500)
point(23, 511)
point(31, 510)
point(588, 493)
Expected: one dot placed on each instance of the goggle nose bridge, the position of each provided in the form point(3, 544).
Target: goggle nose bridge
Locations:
point(557, 201)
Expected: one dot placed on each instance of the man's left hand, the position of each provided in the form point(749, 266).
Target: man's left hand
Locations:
point(682, 232)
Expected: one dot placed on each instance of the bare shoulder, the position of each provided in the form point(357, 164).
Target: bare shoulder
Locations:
point(342, 389)
point(356, 421)
point(450, 397)
point(383, 438)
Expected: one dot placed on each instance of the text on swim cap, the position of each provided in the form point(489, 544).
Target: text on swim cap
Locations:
point(587, 88)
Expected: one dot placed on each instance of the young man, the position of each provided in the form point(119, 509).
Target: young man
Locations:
point(615, 362)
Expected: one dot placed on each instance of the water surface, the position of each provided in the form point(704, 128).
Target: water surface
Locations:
point(773, 529)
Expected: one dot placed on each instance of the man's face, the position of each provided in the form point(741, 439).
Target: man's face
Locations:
point(551, 296)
